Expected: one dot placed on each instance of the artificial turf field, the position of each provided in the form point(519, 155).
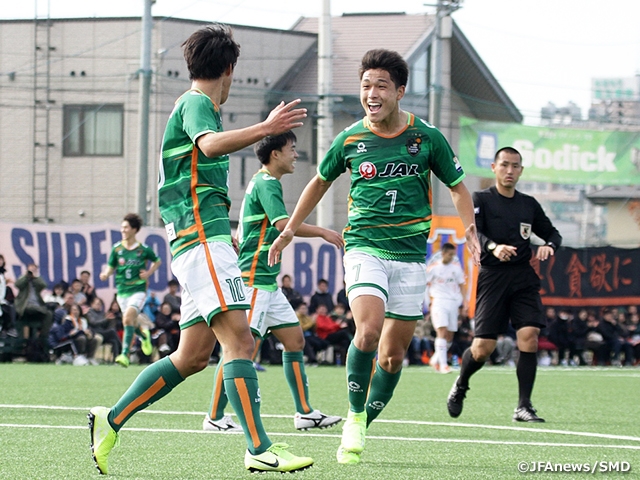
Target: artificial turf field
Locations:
point(593, 415)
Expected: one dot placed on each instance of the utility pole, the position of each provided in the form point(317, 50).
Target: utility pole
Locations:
point(144, 75)
point(325, 110)
point(441, 59)
point(440, 91)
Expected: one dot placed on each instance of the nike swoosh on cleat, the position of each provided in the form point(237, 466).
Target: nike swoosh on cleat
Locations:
point(275, 464)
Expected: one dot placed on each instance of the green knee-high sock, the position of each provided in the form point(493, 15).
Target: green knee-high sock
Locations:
point(153, 383)
point(293, 365)
point(359, 371)
point(383, 384)
point(241, 384)
point(219, 396)
point(127, 338)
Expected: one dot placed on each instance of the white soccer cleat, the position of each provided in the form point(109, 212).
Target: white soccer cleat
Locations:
point(314, 419)
point(224, 425)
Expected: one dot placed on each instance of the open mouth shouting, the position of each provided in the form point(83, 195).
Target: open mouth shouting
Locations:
point(374, 107)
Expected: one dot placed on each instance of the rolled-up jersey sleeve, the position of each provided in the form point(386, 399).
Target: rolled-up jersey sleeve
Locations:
point(443, 161)
point(334, 162)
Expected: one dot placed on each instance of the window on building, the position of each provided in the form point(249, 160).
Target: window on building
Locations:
point(93, 130)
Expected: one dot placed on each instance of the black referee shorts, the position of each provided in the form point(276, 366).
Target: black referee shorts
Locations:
point(507, 293)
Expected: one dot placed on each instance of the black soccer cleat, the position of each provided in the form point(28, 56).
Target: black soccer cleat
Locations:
point(456, 399)
point(526, 414)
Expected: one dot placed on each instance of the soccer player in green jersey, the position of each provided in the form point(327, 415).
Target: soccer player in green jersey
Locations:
point(262, 217)
point(129, 260)
point(390, 154)
point(194, 205)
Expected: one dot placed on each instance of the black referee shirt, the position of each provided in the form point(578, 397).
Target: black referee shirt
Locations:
point(510, 221)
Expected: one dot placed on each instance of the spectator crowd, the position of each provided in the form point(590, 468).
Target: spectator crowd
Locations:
point(72, 324)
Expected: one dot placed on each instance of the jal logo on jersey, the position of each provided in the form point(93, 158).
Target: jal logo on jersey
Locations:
point(413, 146)
point(367, 170)
point(525, 230)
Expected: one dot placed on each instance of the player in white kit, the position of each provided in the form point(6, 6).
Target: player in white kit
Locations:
point(445, 280)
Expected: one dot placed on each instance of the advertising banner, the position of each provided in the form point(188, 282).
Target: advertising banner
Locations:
point(555, 155)
point(62, 252)
point(590, 277)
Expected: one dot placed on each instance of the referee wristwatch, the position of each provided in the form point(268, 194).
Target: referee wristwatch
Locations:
point(491, 246)
point(552, 245)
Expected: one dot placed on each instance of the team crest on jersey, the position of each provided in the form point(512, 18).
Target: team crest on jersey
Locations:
point(413, 146)
point(525, 230)
point(367, 170)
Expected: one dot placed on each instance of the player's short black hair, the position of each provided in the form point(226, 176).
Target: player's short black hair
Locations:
point(134, 220)
point(209, 51)
point(448, 246)
point(268, 144)
point(510, 150)
point(387, 60)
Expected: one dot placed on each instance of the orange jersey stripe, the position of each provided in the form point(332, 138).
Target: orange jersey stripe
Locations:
point(201, 235)
point(144, 397)
point(245, 401)
point(300, 386)
point(254, 263)
point(409, 222)
point(354, 138)
point(187, 231)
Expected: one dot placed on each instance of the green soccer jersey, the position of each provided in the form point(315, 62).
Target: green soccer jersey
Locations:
point(262, 207)
point(389, 214)
point(127, 265)
point(193, 189)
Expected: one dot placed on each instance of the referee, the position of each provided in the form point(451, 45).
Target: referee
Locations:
point(508, 287)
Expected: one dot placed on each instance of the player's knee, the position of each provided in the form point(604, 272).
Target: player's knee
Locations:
point(391, 363)
point(482, 352)
point(294, 345)
point(367, 339)
point(189, 364)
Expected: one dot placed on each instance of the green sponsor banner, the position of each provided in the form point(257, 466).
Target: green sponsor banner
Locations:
point(555, 155)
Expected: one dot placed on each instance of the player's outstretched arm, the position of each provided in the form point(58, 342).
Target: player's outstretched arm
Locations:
point(311, 195)
point(281, 119)
point(306, 230)
point(464, 205)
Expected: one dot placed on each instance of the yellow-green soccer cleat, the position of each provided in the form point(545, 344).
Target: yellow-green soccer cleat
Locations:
point(123, 360)
point(346, 457)
point(353, 432)
point(145, 343)
point(103, 437)
point(276, 459)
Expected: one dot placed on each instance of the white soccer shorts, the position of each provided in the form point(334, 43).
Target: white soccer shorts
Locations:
point(135, 300)
point(269, 311)
point(211, 283)
point(444, 313)
point(399, 284)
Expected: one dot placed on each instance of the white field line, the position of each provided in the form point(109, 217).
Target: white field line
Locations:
point(397, 422)
point(369, 437)
point(615, 372)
